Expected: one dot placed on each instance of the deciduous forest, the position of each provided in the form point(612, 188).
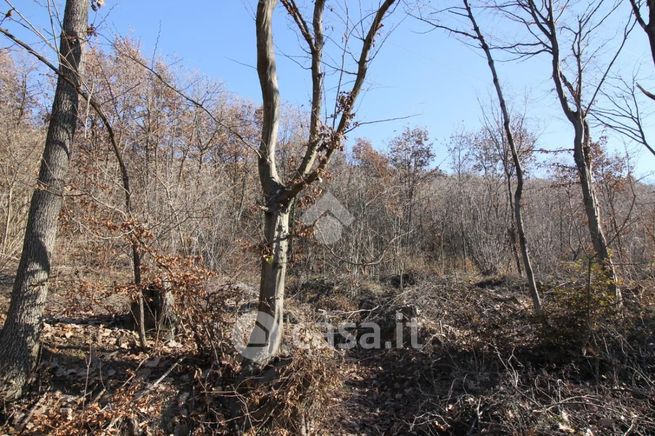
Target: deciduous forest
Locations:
point(176, 258)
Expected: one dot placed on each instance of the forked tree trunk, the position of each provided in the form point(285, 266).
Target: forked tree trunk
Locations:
point(583, 164)
point(279, 198)
point(19, 340)
point(266, 337)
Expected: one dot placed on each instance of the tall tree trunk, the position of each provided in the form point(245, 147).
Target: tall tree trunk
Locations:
point(577, 116)
point(518, 193)
point(19, 340)
point(267, 334)
point(582, 157)
point(266, 337)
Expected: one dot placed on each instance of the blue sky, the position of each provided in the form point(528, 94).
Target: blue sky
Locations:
point(432, 76)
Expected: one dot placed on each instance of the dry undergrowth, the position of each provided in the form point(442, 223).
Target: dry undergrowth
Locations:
point(485, 365)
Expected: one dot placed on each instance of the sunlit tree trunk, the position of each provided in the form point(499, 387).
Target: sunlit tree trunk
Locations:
point(267, 335)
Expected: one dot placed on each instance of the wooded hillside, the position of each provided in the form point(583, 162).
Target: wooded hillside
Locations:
point(178, 259)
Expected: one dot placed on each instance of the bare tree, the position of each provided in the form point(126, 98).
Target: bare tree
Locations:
point(546, 23)
point(477, 35)
point(323, 141)
point(507, 125)
point(19, 340)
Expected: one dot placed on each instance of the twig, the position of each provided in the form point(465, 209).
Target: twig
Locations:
point(159, 380)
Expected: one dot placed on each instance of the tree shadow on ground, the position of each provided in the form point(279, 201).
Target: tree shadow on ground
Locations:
point(90, 366)
point(497, 386)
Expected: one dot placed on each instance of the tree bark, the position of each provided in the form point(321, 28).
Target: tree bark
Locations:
point(525, 253)
point(266, 337)
point(582, 158)
point(19, 340)
point(267, 334)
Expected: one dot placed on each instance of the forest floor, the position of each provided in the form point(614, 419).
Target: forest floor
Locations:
point(484, 364)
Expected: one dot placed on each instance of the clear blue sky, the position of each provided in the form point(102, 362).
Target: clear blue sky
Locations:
point(433, 76)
